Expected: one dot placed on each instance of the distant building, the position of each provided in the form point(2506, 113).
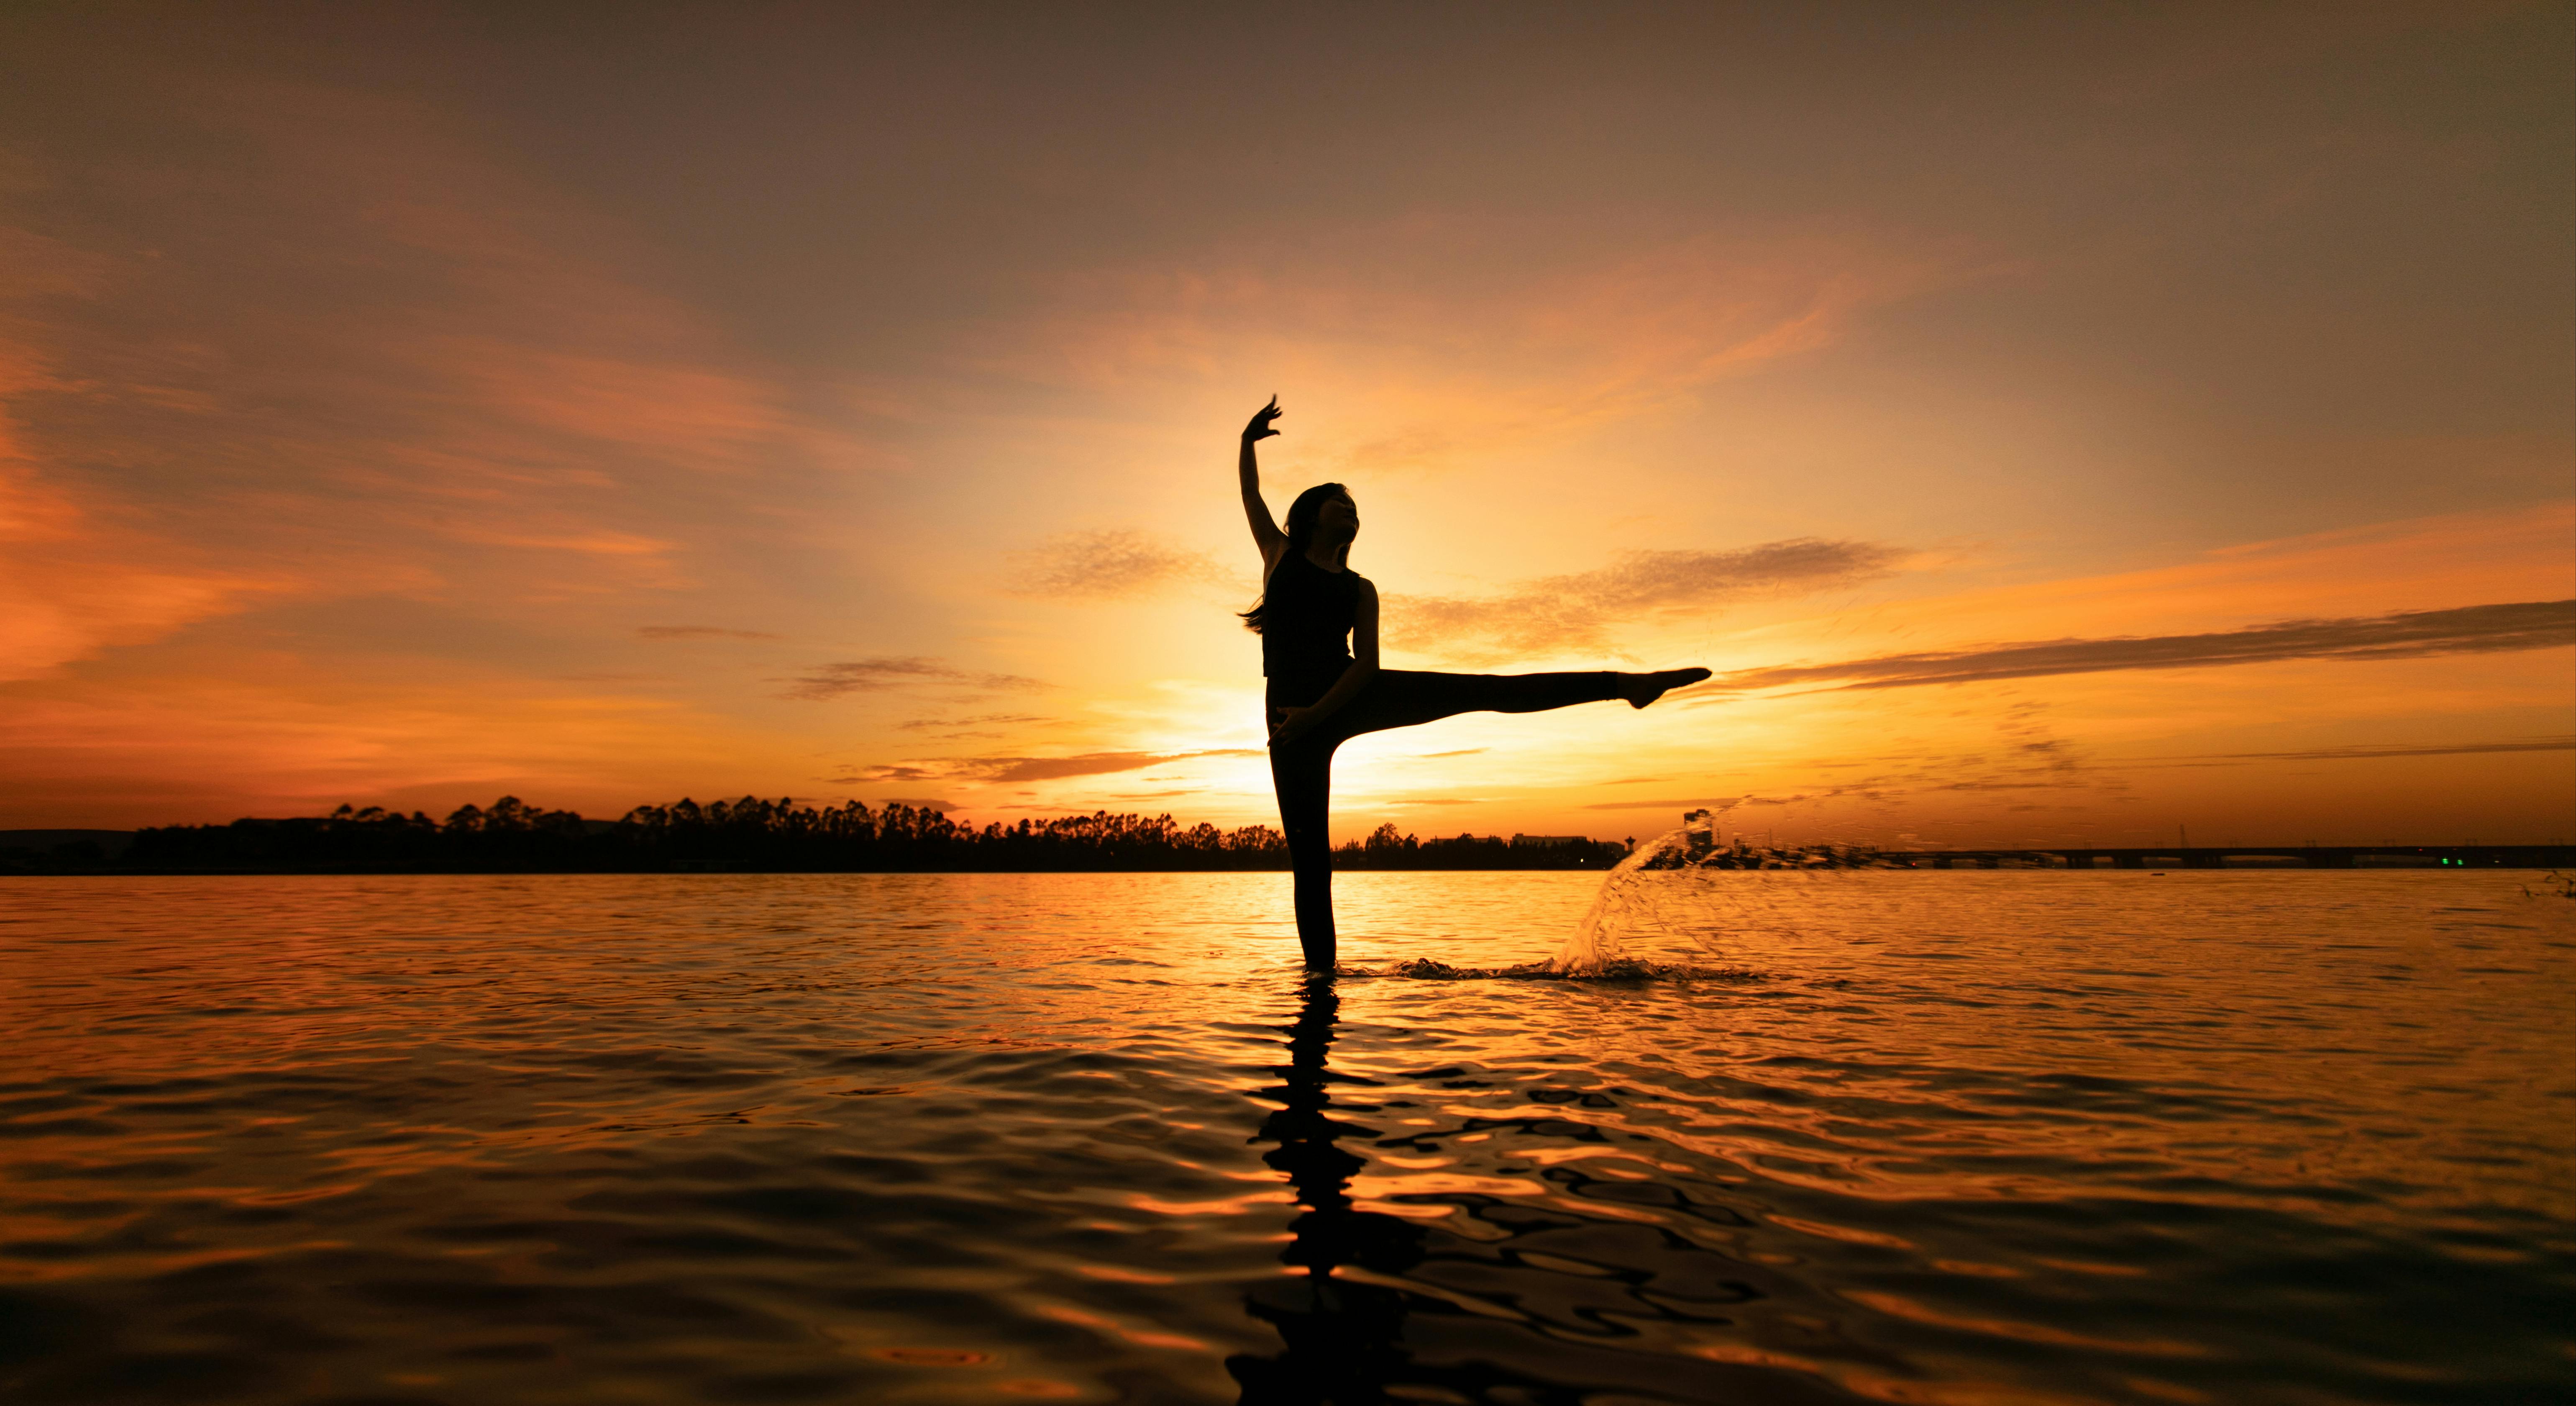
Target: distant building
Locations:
point(1548, 841)
point(1699, 830)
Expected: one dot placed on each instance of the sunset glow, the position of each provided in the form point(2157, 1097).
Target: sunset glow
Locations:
point(2146, 422)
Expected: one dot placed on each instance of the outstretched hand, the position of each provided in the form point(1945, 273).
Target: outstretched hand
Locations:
point(1260, 426)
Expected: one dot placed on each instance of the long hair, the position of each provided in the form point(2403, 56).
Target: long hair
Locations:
point(1301, 535)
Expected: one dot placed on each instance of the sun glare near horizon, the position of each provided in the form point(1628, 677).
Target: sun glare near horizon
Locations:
point(2049, 426)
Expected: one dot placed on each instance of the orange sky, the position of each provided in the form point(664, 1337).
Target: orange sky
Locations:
point(407, 405)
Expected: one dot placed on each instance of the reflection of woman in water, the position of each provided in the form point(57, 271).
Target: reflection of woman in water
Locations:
point(1343, 1337)
point(1321, 693)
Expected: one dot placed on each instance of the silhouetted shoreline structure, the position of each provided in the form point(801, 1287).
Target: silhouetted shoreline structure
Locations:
point(756, 836)
point(1703, 847)
point(750, 835)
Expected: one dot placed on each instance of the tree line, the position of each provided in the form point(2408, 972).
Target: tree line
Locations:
point(753, 835)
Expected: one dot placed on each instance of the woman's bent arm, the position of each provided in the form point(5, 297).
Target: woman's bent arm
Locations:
point(1265, 532)
point(1363, 668)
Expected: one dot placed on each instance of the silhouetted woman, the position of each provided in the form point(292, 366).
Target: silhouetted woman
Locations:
point(1314, 612)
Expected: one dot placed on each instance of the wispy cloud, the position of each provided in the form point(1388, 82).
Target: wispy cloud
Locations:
point(1563, 612)
point(2025, 754)
point(828, 681)
point(1457, 334)
point(698, 632)
point(1037, 768)
point(78, 578)
point(2476, 629)
point(2327, 754)
point(1108, 564)
point(2366, 751)
point(978, 720)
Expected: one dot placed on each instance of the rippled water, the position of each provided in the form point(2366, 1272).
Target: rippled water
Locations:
point(1929, 1137)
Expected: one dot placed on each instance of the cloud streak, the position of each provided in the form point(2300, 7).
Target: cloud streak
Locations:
point(1039, 768)
point(2371, 751)
point(1457, 334)
point(1565, 612)
point(698, 632)
point(2477, 629)
point(825, 682)
point(2325, 754)
point(979, 720)
point(1108, 564)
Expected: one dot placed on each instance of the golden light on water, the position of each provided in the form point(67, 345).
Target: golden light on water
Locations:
point(1993, 1135)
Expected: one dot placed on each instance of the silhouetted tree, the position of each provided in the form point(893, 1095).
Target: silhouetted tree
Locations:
point(752, 834)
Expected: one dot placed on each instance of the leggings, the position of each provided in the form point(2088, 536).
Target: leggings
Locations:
point(1303, 770)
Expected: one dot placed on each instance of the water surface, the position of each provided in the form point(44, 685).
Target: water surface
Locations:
point(1922, 1137)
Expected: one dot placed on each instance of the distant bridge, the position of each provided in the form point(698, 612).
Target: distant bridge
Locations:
point(2248, 857)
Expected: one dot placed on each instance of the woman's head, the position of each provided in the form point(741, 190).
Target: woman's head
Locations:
point(1324, 511)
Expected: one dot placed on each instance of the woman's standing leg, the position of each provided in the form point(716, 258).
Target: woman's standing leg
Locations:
point(1302, 773)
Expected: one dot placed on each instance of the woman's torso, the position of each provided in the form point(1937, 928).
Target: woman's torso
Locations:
point(1306, 618)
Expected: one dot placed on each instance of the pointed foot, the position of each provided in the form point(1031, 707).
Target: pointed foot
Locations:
point(1646, 688)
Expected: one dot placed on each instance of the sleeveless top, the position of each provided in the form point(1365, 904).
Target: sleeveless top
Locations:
point(1306, 618)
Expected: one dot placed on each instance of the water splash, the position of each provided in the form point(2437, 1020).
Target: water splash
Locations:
point(1623, 905)
point(1615, 969)
point(1633, 900)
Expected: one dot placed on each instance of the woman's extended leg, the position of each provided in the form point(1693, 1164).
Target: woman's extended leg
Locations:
point(1302, 771)
point(1408, 698)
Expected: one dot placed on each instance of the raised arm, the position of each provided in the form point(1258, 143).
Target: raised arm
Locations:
point(1265, 532)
